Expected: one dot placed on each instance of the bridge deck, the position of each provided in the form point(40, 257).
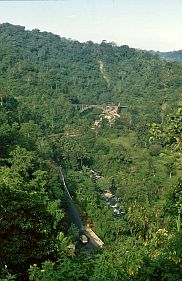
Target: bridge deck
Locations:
point(84, 107)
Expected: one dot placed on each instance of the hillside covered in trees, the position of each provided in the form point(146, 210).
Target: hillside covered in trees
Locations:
point(136, 156)
point(172, 56)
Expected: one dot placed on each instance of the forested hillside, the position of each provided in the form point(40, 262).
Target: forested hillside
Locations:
point(172, 56)
point(132, 153)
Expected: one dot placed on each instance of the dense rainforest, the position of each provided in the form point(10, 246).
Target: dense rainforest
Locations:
point(130, 139)
point(172, 56)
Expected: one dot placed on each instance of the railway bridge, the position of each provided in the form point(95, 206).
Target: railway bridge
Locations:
point(103, 107)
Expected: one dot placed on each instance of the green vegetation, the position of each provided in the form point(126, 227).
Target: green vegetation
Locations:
point(172, 56)
point(137, 157)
